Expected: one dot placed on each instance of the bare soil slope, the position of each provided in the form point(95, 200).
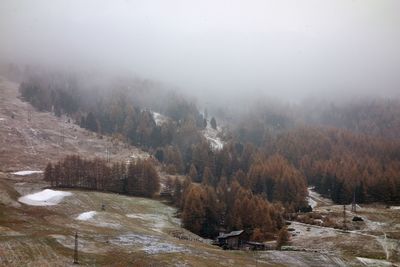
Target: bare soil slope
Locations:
point(29, 139)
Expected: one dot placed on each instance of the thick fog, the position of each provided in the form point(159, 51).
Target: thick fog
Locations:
point(214, 49)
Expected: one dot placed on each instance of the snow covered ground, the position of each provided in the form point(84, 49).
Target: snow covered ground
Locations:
point(100, 219)
point(373, 262)
point(159, 118)
point(86, 215)
point(46, 197)
point(212, 136)
point(24, 173)
point(209, 133)
point(314, 198)
point(148, 243)
point(310, 200)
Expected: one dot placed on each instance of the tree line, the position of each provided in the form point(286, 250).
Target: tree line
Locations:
point(139, 178)
point(119, 111)
point(206, 210)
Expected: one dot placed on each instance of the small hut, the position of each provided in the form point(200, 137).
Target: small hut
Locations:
point(232, 240)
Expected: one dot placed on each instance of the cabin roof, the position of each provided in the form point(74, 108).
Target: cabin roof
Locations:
point(231, 234)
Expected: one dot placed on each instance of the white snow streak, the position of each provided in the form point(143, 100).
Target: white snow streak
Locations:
point(373, 262)
point(86, 215)
point(311, 201)
point(24, 173)
point(212, 136)
point(149, 244)
point(159, 118)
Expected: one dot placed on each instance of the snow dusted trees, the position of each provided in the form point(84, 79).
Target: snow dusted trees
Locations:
point(139, 179)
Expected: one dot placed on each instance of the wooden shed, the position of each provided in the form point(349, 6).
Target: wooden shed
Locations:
point(232, 240)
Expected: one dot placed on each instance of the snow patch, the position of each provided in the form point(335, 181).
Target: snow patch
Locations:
point(2, 119)
point(211, 135)
point(395, 207)
point(159, 118)
point(86, 215)
point(24, 173)
point(98, 219)
point(312, 202)
point(373, 262)
point(149, 244)
point(46, 197)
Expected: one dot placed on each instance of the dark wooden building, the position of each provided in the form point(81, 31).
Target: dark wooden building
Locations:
point(232, 240)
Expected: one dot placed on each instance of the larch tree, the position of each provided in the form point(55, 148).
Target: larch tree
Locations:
point(194, 212)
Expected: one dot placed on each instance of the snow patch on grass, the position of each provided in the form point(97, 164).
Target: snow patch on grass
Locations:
point(99, 219)
point(395, 207)
point(24, 173)
point(149, 244)
point(373, 262)
point(86, 215)
point(46, 197)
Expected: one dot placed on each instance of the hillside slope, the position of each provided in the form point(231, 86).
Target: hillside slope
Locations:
point(29, 139)
point(128, 232)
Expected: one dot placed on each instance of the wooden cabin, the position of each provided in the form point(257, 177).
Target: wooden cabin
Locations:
point(232, 240)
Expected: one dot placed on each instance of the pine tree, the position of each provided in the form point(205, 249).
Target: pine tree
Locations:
point(283, 238)
point(150, 178)
point(48, 174)
point(193, 215)
point(193, 173)
point(91, 122)
point(177, 193)
point(208, 178)
point(213, 123)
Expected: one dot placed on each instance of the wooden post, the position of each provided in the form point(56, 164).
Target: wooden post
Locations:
point(344, 217)
point(353, 204)
point(76, 249)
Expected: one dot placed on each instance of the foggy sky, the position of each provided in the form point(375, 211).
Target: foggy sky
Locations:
point(280, 48)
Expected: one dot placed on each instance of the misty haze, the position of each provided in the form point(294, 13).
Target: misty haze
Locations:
point(199, 133)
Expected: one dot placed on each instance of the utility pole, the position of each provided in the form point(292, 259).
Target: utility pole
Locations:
point(76, 249)
point(353, 204)
point(62, 135)
point(107, 155)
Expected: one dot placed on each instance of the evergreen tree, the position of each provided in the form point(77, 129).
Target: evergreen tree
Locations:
point(213, 123)
point(91, 122)
point(48, 174)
